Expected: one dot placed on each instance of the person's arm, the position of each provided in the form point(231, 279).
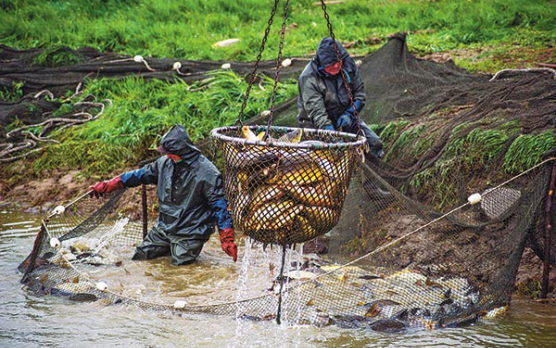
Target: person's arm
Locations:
point(358, 91)
point(214, 192)
point(358, 94)
point(313, 102)
point(146, 175)
point(347, 118)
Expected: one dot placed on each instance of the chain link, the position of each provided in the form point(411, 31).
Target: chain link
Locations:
point(259, 56)
point(344, 77)
point(278, 67)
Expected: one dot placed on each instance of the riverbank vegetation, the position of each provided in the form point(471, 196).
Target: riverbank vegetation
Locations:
point(490, 36)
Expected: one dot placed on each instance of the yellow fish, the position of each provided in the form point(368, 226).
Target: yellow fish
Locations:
point(264, 194)
point(323, 195)
point(323, 217)
point(303, 227)
point(297, 175)
point(273, 216)
point(292, 137)
point(248, 134)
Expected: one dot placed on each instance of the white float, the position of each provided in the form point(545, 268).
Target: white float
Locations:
point(54, 243)
point(177, 65)
point(474, 198)
point(138, 59)
point(180, 304)
point(102, 286)
point(286, 62)
point(59, 210)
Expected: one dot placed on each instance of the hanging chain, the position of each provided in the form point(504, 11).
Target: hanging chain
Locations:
point(278, 67)
point(339, 56)
point(259, 56)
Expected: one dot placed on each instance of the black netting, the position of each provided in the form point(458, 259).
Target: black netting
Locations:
point(421, 266)
point(282, 192)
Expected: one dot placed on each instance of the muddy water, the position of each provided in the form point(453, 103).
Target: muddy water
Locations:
point(30, 321)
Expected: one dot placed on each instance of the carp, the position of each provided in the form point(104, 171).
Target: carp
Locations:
point(274, 216)
point(321, 216)
point(387, 325)
point(292, 137)
point(240, 206)
point(303, 227)
point(249, 156)
point(297, 175)
point(264, 194)
point(321, 195)
point(248, 134)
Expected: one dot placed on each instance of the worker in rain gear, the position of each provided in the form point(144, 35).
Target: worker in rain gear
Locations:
point(191, 201)
point(323, 100)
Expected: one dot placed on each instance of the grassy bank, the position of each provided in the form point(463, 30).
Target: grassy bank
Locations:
point(486, 33)
point(179, 29)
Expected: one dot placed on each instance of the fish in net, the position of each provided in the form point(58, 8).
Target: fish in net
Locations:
point(424, 263)
point(424, 270)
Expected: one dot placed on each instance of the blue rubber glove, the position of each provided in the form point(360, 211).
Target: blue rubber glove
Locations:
point(345, 121)
point(357, 106)
point(328, 127)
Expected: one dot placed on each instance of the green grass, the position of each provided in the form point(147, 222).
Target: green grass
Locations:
point(527, 150)
point(12, 94)
point(472, 157)
point(179, 29)
point(494, 30)
point(143, 110)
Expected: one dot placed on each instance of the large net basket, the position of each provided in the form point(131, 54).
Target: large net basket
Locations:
point(288, 189)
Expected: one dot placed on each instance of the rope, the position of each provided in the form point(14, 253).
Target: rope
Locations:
point(199, 307)
point(339, 57)
point(278, 67)
point(281, 280)
point(527, 70)
point(259, 57)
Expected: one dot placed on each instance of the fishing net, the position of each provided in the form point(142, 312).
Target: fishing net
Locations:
point(424, 269)
point(406, 250)
point(282, 192)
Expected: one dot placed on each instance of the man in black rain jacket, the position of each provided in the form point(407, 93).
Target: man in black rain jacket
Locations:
point(323, 100)
point(191, 200)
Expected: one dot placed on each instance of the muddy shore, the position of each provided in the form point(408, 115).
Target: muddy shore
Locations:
point(41, 196)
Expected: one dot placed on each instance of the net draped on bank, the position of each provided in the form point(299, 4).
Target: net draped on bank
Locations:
point(425, 269)
point(421, 265)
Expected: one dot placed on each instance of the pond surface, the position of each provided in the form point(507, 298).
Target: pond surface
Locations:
point(27, 320)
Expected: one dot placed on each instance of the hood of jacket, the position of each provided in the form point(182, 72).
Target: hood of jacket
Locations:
point(176, 141)
point(326, 54)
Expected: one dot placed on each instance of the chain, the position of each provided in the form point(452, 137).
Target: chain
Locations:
point(344, 77)
point(278, 67)
point(259, 56)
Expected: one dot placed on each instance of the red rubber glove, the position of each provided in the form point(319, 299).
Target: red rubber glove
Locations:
point(106, 187)
point(227, 241)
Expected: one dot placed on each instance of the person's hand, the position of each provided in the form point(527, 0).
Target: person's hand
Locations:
point(103, 187)
point(328, 127)
point(345, 121)
point(228, 244)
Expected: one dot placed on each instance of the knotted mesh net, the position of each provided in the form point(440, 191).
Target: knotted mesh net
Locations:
point(285, 191)
point(406, 250)
point(424, 269)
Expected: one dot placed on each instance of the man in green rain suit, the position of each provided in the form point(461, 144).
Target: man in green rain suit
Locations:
point(191, 201)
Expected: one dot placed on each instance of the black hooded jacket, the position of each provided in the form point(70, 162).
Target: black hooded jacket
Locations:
point(322, 97)
point(190, 192)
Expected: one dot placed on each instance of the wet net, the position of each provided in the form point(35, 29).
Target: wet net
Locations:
point(286, 191)
point(424, 269)
point(406, 251)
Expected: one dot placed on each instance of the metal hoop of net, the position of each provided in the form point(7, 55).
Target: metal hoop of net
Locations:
point(283, 192)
